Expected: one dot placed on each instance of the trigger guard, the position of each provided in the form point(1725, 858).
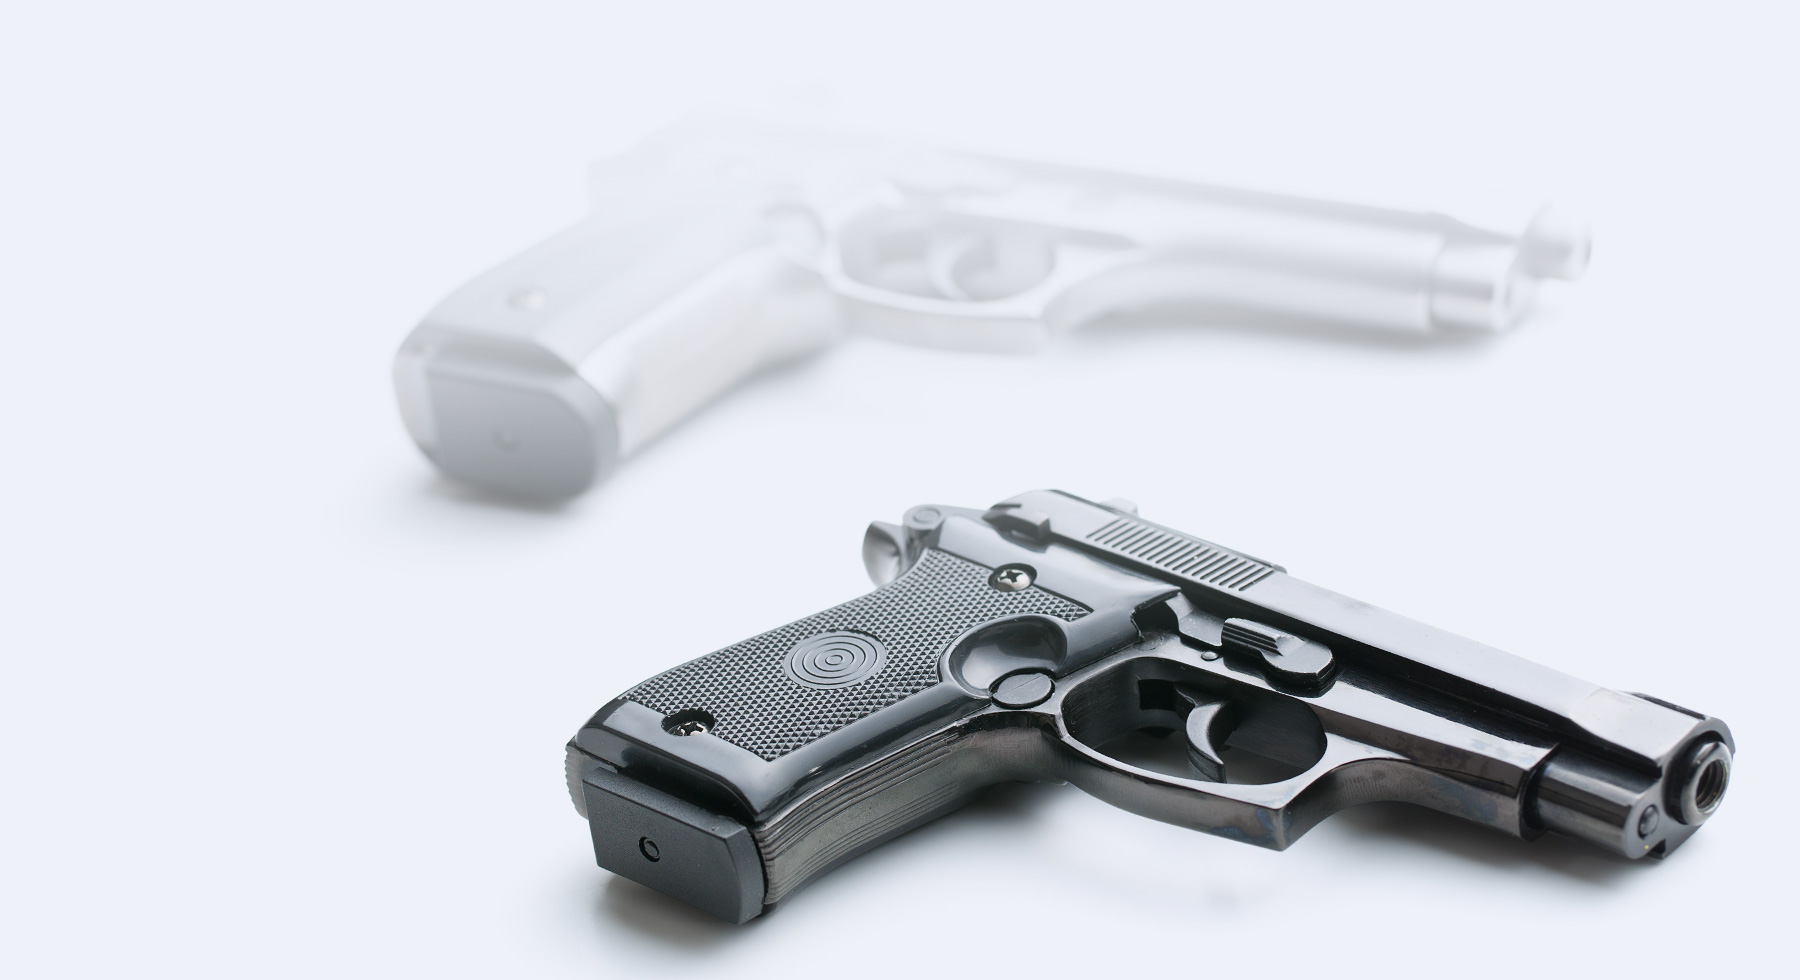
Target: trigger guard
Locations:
point(1022, 323)
point(1270, 815)
point(1015, 325)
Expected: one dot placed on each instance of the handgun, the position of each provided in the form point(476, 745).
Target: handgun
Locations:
point(717, 249)
point(1053, 639)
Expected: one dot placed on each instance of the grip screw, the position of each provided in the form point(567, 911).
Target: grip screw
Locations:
point(1011, 578)
point(690, 722)
point(648, 849)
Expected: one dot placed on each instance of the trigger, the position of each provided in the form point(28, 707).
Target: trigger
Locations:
point(1209, 724)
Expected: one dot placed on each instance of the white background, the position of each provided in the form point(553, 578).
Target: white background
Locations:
point(279, 701)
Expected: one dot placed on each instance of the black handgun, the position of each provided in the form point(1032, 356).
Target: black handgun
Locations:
point(1052, 639)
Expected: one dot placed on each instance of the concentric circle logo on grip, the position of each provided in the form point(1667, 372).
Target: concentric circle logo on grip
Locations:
point(839, 658)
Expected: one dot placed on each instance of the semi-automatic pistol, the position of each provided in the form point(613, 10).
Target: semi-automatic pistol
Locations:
point(1052, 639)
point(714, 251)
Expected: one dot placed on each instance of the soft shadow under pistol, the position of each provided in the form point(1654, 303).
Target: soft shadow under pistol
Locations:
point(1032, 640)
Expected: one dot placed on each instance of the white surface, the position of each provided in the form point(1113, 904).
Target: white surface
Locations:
point(278, 702)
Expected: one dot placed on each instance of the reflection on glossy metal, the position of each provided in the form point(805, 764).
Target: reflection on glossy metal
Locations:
point(715, 251)
point(1292, 703)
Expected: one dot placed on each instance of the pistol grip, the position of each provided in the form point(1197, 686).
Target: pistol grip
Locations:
point(813, 742)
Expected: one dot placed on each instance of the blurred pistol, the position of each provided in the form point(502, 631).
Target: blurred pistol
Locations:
point(1030, 641)
point(714, 251)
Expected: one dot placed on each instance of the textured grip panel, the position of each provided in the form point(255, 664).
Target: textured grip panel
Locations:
point(750, 689)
